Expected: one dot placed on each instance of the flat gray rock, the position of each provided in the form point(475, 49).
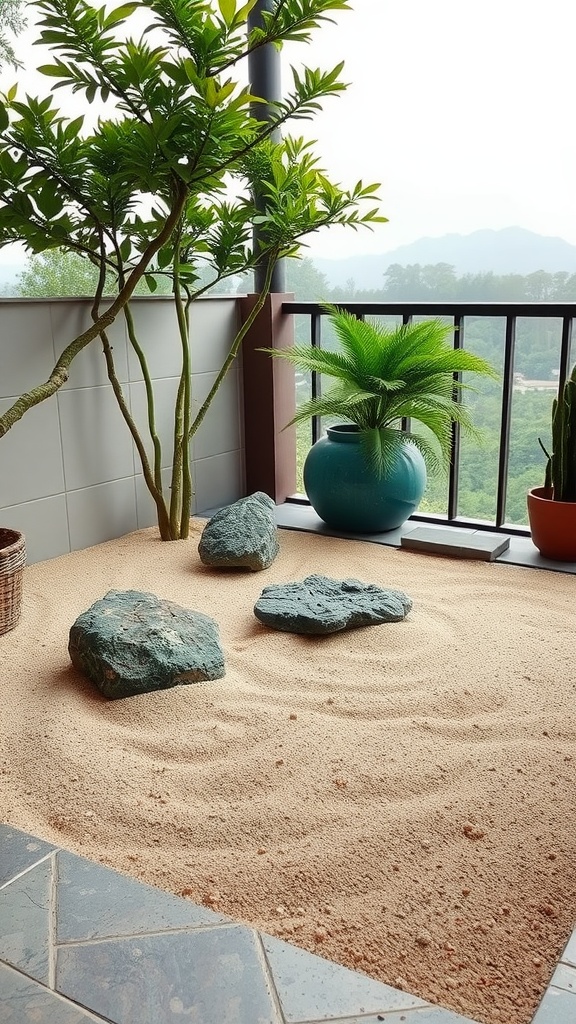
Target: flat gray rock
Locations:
point(319, 604)
point(130, 642)
point(242, 536)
point(439, 540)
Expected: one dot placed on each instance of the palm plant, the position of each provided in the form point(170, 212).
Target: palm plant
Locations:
point(386, 375)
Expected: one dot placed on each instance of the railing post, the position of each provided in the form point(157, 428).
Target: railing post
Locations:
point(264, 71)
point(565, 352)
point(505, 420)
point(454, 472)
point(269, 396)
point(316, 381)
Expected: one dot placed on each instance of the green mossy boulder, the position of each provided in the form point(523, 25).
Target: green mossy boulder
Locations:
point(242, 535)
point(131, 642)
point(319, 605)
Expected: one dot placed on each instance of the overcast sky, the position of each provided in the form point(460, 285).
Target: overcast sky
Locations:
point(464, 110)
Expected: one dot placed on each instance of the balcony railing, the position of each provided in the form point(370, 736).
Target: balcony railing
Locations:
point(520, 326)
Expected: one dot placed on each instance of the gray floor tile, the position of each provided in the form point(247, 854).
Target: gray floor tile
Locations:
point(26, 1002)
point(212, 977)
point(96, 902)
point(19, 851)
point(433, 1015)
point(557, 1007)
point(564, 977)
point(313, 989)
point(569, 954)
point(428, 1015)
point(25, 922)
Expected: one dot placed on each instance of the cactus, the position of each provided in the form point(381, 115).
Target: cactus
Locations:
point(561, 465)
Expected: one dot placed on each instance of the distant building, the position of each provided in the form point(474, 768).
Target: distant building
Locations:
point(521, 384)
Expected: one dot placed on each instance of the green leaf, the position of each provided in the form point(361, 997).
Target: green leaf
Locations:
point(227, 10)
point(51, 70)
point(49, 203)
point(223, 93)
point(126, 249)
point(242, 15)
point(210, 92)
point(120, 14)
point(73, 128)
point(164, 257)
point(4, 119)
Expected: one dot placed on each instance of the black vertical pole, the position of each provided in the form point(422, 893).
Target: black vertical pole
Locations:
point(507, 393)
point(454, 473)
point(265, 82)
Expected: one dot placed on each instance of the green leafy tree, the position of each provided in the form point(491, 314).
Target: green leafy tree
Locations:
point(61, 273)
point(11, 19)
point(306, 282)
point(171, 179)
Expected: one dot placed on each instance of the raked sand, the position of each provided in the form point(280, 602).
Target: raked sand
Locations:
point(400, 799)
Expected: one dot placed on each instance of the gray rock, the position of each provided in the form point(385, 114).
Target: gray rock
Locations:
point(242, 536)
point(322, 605)
point(129, 642)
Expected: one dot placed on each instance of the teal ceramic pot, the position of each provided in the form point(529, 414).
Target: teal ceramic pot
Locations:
point(349, 496)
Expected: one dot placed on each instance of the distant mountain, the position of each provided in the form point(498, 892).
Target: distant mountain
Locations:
point(509, 251)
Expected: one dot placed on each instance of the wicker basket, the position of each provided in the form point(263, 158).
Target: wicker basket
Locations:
point(12, 562)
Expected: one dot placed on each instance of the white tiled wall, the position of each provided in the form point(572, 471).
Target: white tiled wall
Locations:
point(70, 475)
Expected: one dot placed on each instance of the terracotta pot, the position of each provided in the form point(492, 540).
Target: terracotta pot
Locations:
point(553, 525)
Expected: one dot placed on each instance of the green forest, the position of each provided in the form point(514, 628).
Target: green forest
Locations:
point(536, 360)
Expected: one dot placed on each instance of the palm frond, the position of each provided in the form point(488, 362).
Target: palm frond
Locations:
point(362, 340)
point(383, 447)
point(318, 360)
point(447, 361)
point(435, 461)
point(353, 410)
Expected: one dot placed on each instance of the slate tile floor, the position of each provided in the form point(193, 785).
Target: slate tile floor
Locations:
point(81, 943)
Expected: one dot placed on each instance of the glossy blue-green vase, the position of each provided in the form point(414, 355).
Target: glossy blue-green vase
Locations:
point(348, 495)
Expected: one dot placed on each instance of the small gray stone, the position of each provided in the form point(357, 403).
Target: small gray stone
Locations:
point(242, 536)
point(129, 643)
point(319, 604)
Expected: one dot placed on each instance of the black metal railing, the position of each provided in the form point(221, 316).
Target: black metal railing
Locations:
point(459, 313)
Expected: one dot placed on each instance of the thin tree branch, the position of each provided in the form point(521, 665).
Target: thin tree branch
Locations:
point(59, 374)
